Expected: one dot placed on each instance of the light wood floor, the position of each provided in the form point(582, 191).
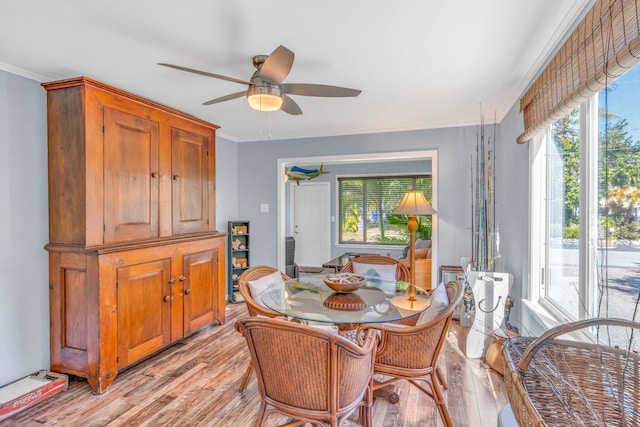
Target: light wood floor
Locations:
point(195, 383)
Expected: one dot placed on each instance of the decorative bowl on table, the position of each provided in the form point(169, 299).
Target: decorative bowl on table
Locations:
point(345, 302)
point(344, 282)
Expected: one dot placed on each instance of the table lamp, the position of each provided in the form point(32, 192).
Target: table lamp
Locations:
point(414, 203)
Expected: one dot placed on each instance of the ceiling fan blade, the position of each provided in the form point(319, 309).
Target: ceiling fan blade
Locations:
point(204, 73)
point(318, 90)
point(277, 65)
point(226, 98)
point(290, 106)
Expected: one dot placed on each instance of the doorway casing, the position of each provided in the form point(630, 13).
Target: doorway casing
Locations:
point(400, 156)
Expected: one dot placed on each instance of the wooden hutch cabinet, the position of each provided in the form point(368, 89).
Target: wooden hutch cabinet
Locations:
point(135, 262)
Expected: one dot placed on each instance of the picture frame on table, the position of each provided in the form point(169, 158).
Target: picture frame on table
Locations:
point(454, 272)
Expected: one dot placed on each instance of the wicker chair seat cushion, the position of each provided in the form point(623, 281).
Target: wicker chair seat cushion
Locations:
point(383, 271)
point(418, 254)
point(423, 253)
point(326, 326)
point(333, 329)
point(264, 284)
point(439, 301)
point(420, 244)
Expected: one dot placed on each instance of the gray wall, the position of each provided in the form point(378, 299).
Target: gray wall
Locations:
point(226, 183)
point(24, 228)
point(512, 206)
point(246, 177)
point(454, 146)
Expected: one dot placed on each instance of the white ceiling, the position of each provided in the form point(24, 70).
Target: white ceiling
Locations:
point(420, 63)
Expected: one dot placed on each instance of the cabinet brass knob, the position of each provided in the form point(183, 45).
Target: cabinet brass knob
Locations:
point(172, 280)
point(187, 291)
point(154, 174)
point(167, 298)
point(176, 177)
point(182, 278)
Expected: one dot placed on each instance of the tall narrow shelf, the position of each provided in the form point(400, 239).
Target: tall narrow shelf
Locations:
point(239, 257)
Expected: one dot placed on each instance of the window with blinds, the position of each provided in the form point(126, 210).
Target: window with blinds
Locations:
point(366, 205)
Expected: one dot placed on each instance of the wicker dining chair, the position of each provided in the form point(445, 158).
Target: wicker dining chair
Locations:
point(411, 353)
point(402, 272)
point(254, 307)
point(308, 374)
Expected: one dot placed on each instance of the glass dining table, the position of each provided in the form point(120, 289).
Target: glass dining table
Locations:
point(309, 298)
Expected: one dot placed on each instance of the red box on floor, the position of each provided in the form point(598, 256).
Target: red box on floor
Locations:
point(26, 392)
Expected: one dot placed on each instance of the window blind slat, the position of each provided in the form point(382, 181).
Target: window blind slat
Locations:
point(603, 46)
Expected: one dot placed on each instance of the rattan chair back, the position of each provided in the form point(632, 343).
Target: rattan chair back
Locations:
point(411, 353)
point(402, 272)
point(308, 374)
point(253, 307)
point(254, 273)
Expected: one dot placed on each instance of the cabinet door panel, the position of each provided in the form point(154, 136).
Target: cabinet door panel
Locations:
point(144, 310)
point(201, 288)
point(130, 177)
point(190, 181)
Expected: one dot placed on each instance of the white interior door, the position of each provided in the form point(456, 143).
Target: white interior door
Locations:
point(311, 223)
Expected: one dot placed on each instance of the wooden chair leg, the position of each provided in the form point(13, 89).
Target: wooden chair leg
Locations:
point(246, 378)
point(262, 413)
point(365, 416)
point(364, 412)
point(441, 378)
point(439, 398)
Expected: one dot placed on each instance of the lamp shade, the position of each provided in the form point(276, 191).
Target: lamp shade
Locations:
point(414, 203)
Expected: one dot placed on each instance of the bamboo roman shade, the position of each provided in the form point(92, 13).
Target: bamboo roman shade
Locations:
point(603, 46)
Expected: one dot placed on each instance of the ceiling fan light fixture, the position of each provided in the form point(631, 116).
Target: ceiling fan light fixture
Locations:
point(264, 98)
point(266, 90)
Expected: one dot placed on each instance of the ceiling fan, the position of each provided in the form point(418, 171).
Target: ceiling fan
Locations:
point(265, 91)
